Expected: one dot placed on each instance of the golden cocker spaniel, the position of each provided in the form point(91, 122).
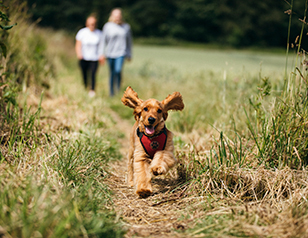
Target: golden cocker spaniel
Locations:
point(151, 145)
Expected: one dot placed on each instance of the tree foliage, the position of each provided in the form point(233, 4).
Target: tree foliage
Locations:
point(230, 22)
point(4, 19)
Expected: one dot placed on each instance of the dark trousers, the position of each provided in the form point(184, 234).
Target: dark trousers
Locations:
point(86, 67)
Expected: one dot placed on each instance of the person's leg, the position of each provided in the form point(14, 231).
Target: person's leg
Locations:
point(93, 68)
point(84, 70)
point(111, 79)
point(118, 71)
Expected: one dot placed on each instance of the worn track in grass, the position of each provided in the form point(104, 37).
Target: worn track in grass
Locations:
point(155, 216)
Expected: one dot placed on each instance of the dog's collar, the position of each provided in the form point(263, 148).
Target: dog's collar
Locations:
point(153, 144)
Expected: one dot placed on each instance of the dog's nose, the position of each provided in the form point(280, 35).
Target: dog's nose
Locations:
point(151, 120)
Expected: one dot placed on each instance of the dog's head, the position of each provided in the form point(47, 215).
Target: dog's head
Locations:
point(151, 114)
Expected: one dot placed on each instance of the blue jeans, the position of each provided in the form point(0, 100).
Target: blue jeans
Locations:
point(115, 66)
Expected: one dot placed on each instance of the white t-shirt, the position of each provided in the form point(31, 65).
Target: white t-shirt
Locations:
point(89, 43)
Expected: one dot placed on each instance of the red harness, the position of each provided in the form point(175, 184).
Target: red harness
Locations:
point(153, 144)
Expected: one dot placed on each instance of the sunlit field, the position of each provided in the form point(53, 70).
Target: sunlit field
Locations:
point(215, 84)
point(241, 142)
point(232, 135)
point(193, 60)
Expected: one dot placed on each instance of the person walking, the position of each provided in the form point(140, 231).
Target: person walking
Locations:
point(115, 46)
point(86, 47)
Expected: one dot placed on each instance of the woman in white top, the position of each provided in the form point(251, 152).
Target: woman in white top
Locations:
point(87, 42)
point(115, 45)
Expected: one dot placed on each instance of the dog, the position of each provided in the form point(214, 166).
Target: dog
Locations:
point(151, 146)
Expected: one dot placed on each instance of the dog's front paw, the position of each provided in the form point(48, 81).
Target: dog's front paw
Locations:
point(158, 170)
point(143, 193)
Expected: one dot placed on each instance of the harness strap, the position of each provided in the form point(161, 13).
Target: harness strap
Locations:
point(153, 144)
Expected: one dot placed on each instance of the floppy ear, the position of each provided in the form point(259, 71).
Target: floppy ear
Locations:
point(130, 98)
point(173, 102)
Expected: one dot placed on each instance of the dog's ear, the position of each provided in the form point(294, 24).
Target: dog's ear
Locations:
point(130, 98)
point(172, 102)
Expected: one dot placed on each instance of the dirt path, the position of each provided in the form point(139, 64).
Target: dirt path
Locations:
point(155, 216)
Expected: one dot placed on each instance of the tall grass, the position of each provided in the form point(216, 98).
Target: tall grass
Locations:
point(281, 137)
point(27, 62)
point(241, 140)
point(36, 204)
point(54, 187)
point(51, 180)
point(253, 183)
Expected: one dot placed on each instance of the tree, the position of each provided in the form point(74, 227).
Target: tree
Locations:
point(3, 25)
point(231, 22)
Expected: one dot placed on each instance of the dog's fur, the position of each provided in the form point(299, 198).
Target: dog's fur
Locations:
point(149, 114)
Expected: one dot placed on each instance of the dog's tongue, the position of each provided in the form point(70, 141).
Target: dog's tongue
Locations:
point(149, 130)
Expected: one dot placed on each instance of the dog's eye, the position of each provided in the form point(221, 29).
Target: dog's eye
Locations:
point(159, 110)
point(145, 109)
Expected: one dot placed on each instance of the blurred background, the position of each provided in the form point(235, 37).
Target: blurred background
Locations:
point(234, 23)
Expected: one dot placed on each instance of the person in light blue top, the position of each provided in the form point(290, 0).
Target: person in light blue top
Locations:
point(86, 47)
point(115, 45)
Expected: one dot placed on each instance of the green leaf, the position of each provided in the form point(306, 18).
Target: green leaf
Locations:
point(7, 27)
point(3, 16)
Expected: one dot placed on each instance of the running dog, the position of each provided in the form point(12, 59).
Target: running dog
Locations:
point(151, 145)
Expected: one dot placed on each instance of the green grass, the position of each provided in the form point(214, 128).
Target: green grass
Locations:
point(55, 150)
point(241, 137)
point(241, 142)
point(188, 61)
point(54, 187)
point(35, 206)
point(221, 163)
point(215, 84)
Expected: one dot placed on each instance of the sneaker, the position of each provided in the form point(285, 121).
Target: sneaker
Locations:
point(91, 93)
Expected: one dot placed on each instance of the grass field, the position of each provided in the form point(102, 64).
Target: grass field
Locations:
point(191, 60)
point(241, 144)
point(230, 97)
point(213, 82)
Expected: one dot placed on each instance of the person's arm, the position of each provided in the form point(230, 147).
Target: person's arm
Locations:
point(78, 49)
point(102, 45)
point(129, 45)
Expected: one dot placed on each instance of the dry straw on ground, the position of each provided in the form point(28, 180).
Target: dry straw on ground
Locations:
point(251, 201)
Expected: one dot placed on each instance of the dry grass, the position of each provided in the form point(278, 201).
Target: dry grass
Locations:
point(202, 199)
point(156, 216)
point(210, 193)
point(254, 202)
point(244, 201)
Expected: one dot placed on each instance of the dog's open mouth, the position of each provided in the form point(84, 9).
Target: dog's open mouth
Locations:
point(149, 130)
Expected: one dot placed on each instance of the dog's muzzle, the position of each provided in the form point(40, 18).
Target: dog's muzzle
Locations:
point(151, 120)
